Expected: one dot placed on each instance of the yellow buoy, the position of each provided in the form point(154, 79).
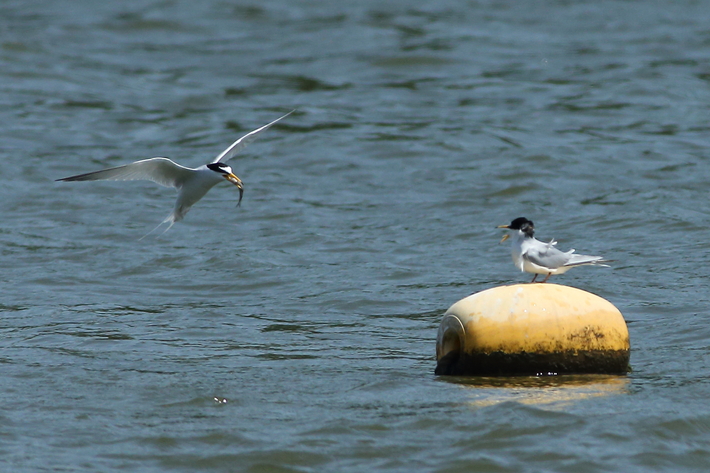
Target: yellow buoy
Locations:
point(532, 329)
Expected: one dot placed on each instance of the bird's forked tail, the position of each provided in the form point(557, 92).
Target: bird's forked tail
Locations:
point(170, 219)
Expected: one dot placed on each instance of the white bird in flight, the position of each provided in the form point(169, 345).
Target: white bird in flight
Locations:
point(191, 184)
point(533, 256)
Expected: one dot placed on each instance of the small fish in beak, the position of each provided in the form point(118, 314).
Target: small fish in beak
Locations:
point(231, 177)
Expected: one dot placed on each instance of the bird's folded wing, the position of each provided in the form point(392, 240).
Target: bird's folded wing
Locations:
point(242, 142)
point(159, 170)
point(546, 256)
point(576, 260)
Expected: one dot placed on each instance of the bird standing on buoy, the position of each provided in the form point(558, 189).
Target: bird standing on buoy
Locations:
point(533, 256)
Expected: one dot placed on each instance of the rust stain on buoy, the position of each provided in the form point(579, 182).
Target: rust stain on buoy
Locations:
point(532, 329)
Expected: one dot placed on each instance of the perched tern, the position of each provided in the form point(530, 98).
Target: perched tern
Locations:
point(533, 256)
point(191, 184)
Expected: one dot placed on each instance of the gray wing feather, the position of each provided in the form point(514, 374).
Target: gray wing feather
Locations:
point(242, 142)
point(547, 256)
point(159, 170)
point(576, 260)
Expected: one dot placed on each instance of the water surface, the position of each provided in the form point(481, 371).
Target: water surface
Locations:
point(297, 332)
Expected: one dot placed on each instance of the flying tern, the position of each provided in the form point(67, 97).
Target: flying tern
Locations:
point(533, 256)
point(191, 184)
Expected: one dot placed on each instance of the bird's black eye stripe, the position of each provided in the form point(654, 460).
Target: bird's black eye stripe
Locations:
point(218, 167)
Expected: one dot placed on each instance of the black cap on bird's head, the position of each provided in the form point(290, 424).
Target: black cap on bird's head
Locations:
point(229, 175)
point(521, 223)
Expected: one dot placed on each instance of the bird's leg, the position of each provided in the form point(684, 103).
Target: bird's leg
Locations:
point(546, 277)
point(534, 278)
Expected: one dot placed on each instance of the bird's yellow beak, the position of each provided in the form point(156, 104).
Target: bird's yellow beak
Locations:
point(231, 177)
point(506, 236)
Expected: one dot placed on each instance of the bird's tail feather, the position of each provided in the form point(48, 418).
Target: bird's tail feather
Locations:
point(169, 219)
point(579, 260)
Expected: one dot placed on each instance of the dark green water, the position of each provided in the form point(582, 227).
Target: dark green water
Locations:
point(297, 332)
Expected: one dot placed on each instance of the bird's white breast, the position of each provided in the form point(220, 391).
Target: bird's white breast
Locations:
point(195, 187)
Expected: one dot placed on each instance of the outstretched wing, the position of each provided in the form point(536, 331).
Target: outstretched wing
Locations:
point(242, 142)
point(159, 170)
